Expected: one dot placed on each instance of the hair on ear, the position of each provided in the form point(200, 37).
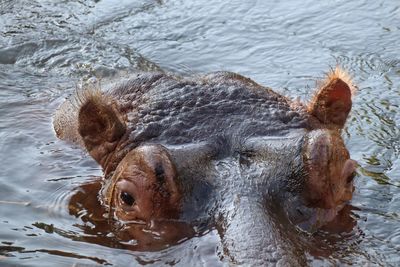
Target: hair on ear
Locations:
point(98, 120)
point(65, 120)
point(332, 103)
point(341, 74)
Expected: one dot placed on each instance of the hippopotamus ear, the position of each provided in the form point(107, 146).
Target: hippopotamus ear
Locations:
point(99, 124)
point(332, 102)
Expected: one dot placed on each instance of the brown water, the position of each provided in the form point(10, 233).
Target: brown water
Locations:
point(48, 46)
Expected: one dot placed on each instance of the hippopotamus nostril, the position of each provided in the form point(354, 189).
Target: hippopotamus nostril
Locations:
point(349, 170)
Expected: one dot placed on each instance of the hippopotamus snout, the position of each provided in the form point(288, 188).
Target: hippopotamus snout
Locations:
point(250, 235)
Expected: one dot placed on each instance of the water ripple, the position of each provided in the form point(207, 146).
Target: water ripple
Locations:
point(47, 46)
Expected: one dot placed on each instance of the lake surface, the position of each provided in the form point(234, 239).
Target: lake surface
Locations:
point(48, 47)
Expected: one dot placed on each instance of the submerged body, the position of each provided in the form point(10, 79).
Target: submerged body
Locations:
point(219, 147)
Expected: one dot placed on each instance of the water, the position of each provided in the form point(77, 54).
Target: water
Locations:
point(47, 47)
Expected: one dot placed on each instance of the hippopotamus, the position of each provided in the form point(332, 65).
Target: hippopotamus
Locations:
point(260, 166)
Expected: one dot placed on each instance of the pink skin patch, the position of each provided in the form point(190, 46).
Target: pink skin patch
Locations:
point(330, 171)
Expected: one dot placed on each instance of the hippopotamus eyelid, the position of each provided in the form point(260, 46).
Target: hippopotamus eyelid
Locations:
point(350, 178)
point(160, 174)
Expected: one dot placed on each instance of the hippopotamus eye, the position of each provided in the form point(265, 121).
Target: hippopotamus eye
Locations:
point(127, 198)
point(351, 177)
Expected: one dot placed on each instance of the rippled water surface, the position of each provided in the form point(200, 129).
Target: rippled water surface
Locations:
point(47, 47)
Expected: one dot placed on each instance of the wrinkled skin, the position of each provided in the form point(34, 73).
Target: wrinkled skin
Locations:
point(220, 147)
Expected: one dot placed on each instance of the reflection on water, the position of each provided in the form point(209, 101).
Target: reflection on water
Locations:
point(99, 229)
point(49, 213)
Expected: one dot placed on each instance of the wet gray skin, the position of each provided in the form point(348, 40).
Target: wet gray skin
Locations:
point(238, 150)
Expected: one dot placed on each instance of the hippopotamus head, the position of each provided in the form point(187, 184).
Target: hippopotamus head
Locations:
point(220, 147)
